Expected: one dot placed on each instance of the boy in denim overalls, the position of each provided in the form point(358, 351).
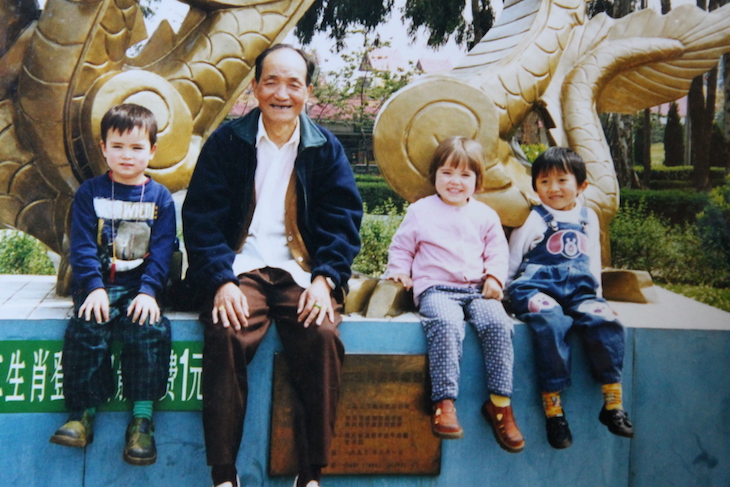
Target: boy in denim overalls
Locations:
point(554, 285)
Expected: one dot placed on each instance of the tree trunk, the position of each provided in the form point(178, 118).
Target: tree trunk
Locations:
point(619, 141)
point(646, 156)
point(726, 108)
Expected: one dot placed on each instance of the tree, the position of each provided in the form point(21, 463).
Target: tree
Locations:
point(617, 127)
point(701, 111)
point(673, 138)
point(440, 18)
point(357, 92)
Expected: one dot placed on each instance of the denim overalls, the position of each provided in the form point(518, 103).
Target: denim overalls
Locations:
point(554, 291)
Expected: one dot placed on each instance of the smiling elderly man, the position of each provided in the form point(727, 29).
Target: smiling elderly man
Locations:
point(271, 225)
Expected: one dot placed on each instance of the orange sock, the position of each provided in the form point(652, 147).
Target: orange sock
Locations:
point(551, 404)
point(612, 396)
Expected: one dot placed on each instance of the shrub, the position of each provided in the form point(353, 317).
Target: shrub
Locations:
point(378, 195)
point(533, 150)
point(675, 206)
point(671, 253)
point(22, 254)
point(376, 232)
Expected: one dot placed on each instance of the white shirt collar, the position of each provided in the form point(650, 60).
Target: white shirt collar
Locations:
point(262, 134)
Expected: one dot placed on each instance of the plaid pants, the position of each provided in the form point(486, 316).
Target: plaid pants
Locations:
point(89, 379)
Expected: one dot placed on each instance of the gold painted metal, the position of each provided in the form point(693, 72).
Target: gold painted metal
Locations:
point(59, 75)
point(383, 423)
point(547, 55)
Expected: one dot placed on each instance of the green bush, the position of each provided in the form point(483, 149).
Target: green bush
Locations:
point(671, 253)
point(533, 150)
point(675, 206)
point(376, 232)
point(22, 254)
point(377, 194)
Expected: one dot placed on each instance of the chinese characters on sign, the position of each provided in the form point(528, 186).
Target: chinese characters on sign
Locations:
point(382, 419)
point(31, 377)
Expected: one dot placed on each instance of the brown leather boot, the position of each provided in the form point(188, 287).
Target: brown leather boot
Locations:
point(444, 422)
point(505, 429)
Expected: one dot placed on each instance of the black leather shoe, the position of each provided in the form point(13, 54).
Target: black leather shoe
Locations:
point(78, 431)
point(558, 432)
point(140, 448)
point(617, 421)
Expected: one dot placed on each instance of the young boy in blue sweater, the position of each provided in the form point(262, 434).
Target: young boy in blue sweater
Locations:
point(122, 236)
point(554, 285)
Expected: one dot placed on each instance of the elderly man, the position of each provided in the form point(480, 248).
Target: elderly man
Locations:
point(271, 226)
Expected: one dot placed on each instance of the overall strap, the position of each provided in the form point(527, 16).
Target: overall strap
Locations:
point(547, 217)
point(584, 218)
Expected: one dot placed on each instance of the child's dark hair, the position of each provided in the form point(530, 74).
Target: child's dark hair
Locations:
point(461, 150)
point(124, 118)
point(259, 64)
point(561, 159)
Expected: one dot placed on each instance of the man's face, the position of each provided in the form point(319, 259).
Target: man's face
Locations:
point(282, 89)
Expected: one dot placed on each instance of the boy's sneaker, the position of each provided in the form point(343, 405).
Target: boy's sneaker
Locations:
point(558, 432)
point(617, 421)
point(78, 431)
point(140, 448)
point(505, 429)
point(444, 422)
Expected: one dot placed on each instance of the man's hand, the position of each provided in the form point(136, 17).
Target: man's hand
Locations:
point(144, 306)
point(315, 303)
point(404, 279)
point(97, 302)
point(492, 289)
point(230, 307)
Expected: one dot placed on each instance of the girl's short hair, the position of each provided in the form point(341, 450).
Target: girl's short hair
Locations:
point(561, 159)
point(125, 117)
point(460, 150)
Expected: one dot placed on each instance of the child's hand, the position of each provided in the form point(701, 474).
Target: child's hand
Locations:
point(144, 306)
point(492, 289)
point(97, 302)
point(404, 279)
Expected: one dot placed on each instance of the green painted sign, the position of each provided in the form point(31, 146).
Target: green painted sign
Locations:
point(31, 377)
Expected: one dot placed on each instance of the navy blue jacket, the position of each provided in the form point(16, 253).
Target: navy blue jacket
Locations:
point(218, 205)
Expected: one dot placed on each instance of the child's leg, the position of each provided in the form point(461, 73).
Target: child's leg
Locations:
point(145, 369)
point(442, 319)
point(495, 330)
point(604, 338)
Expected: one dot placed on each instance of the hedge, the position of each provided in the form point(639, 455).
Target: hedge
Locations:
point(675, 205)
point(376, 194)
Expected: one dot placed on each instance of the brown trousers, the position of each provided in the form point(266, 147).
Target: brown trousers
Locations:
point(314, 356)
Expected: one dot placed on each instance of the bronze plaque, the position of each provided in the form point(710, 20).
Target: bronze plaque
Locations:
point(383, 423)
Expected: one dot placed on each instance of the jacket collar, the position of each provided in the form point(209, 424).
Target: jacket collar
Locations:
point(246, 128)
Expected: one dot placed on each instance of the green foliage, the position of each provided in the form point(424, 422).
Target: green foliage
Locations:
point(376, 232)
point(674, 206)
point(533, 150)
point(378, 195)
point(685, 253)
point(22, 254)
point(338, 17)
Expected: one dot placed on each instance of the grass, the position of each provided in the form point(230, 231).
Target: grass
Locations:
point(718, 298)
point(657, 154)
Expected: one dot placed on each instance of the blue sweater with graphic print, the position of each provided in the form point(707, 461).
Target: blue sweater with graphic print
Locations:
point(121, 235)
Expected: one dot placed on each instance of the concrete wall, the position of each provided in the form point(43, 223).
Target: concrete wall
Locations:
point(677, 389)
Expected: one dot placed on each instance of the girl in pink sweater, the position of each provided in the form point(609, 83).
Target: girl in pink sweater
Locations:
point(451, 249)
